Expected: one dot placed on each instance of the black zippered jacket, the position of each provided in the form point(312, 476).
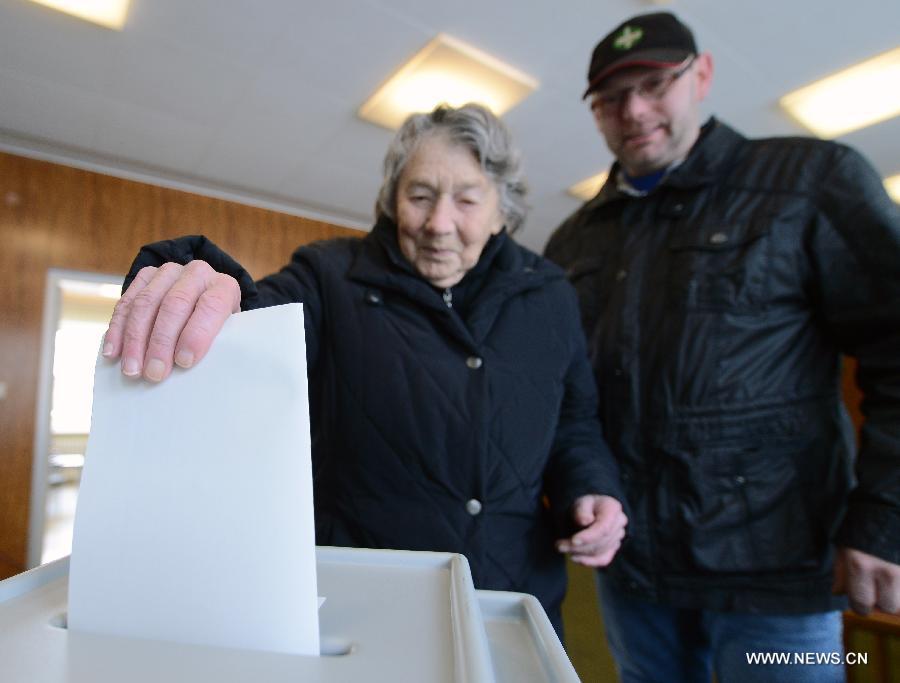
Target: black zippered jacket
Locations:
point(717, 309)
point(438, 428)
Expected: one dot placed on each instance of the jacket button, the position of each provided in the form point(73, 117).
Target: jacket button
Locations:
point(473, 506)
point(718, 238)
point(739, 480)
point(621, 275)
point(618, 372)
point(474, 362)
point(373, 297)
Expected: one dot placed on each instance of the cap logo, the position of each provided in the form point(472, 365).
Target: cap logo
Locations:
point(628, 38)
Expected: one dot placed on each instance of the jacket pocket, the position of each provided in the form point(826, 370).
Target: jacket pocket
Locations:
point(720, 267)
point(745, 509)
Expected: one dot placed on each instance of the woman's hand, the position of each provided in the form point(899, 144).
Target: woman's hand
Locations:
point(169, 314)
point(602, 528)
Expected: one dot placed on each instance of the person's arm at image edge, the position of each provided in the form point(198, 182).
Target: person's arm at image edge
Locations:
point(860, 290)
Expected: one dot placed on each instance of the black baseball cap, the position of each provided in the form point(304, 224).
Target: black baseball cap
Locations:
point(657, 40)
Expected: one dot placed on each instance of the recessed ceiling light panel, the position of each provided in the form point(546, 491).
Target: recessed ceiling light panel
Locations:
point(588, 188)
point(108, 13)
point(860, 96)
point(892, 185)
point(446, 71)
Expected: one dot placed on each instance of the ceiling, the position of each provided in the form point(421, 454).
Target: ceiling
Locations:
point(255, 101)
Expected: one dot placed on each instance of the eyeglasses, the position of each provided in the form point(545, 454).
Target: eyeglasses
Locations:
point(607, 102)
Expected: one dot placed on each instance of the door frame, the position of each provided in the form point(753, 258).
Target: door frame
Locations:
point(42, 437)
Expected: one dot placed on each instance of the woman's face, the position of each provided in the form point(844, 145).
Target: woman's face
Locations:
point(447, 209)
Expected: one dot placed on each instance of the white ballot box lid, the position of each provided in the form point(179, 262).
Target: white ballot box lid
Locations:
point(388, 616)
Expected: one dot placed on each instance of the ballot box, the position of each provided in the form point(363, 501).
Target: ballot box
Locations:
point(387, 616)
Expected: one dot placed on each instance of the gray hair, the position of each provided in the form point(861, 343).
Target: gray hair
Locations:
point(471, 126)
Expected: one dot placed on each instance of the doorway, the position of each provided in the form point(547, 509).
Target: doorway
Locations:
point(77, 309)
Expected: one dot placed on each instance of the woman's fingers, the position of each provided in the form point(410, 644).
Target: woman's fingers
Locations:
point(188, 317)
point(112, 340)
point(220, 298)
point(603, 529)
point(169, 315)
point(141, 318)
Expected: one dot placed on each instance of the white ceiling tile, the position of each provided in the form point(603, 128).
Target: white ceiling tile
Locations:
point(244, 166)
point(240, 32)
point(344, 47)
point(179, 80)
point(46, 111)
point(44, 44)
point(330, 186)
point(358, 144)
point(143, 136)
point(280, 120)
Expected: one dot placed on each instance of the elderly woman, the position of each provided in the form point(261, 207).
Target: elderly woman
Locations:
point(452, 403)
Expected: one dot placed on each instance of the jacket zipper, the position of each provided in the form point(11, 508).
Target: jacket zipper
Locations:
point(448, 297)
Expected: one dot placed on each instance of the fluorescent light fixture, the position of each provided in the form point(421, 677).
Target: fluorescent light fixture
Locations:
point(588, 188)
point(892, 185)
point(854, 98)
point(446, 71)
point(108, 13)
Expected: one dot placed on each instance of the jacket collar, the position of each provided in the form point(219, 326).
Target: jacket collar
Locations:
point(508, 270)
point(385, 233)
point(709, 157)
point(381, 263)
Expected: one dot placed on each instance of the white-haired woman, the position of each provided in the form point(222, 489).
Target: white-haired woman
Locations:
point(453, 406)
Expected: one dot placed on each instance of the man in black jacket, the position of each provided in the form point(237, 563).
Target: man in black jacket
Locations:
point(720, 281)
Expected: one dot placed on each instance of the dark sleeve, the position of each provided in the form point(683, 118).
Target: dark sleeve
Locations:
point(297, 282)
point(581, 461)
point(856, 255)
point(183, 250)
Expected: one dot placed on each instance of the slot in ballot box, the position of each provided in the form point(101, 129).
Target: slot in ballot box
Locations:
point(388, 616)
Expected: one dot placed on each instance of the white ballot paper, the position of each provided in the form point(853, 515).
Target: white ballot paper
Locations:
point(195, 515)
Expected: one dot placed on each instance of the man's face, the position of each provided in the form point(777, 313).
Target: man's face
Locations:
point(651, 117)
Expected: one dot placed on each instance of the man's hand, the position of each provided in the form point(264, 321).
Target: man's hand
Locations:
point(869, 582)
point(602, 525)
point(169, 314)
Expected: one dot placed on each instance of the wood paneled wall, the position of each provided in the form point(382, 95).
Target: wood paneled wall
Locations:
point(54, 216)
